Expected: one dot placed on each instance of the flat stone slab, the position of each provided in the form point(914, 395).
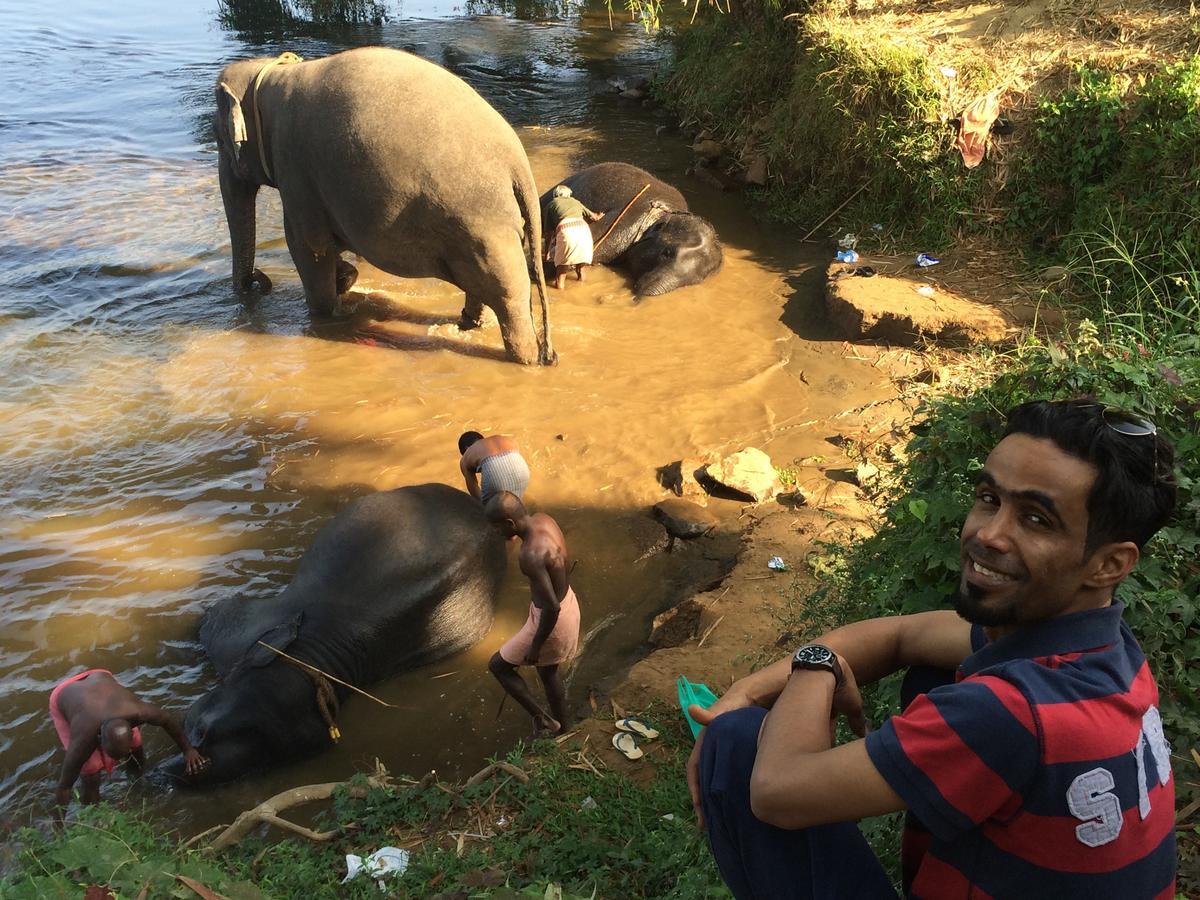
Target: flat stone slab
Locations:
point(684, 519)
point(905, 311)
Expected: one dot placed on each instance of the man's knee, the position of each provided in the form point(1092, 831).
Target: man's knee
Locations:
point(731, 741)
point(497, 666)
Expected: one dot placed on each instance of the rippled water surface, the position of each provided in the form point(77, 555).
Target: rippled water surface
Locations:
point(164, 444)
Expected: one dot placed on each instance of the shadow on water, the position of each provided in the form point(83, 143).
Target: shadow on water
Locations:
point(265, 15)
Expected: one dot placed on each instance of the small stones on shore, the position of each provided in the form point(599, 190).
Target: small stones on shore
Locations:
point(708, 149)
point(756, 171)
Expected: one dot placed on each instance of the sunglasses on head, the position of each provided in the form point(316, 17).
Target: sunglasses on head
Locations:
point(1127, 423)
point(1132, 425)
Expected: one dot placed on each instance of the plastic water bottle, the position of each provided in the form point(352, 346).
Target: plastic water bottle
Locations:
point(847, 256)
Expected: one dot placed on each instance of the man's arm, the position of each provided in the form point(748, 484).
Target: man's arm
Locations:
point(153, 715)
point(77, 755)
point(467, 465)
point(873, 649)
point(798, 780)
point(592, 216)
point(545, 598)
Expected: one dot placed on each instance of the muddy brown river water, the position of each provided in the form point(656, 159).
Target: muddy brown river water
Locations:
point(164, 444)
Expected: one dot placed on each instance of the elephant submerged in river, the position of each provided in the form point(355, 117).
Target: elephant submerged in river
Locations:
point(662, 244)
point(379, 152)
point(396, 580)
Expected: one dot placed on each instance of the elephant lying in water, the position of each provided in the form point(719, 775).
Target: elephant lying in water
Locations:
point(379, 152)
point(396, 580)
point(662, 244)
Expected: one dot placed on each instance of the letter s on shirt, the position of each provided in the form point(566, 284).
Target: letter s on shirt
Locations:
point(1089, 798)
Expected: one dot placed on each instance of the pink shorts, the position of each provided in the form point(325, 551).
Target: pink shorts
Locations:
point(99, 759)
point(562, 644)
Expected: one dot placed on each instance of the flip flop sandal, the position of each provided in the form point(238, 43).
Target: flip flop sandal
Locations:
point(636, 726)
point(627, 744)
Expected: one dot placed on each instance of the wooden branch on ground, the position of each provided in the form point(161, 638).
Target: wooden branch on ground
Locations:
point(488, 771)
point(268, 811)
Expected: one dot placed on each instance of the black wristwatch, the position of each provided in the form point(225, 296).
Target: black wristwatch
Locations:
point(821, 658)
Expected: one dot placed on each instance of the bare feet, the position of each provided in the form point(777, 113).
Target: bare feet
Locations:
point(579, 273)
point(545, 726)
point(560, 282)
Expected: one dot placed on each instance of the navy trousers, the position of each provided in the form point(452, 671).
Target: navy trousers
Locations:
point(762, 862)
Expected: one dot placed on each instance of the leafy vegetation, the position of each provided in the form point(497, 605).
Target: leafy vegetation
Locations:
point(579, 831)
point(842, 116)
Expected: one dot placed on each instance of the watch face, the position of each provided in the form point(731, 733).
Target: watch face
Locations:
point(813, 653)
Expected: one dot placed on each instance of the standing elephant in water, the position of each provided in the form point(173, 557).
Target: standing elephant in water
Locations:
point(662, 244)
point(379, 152)
point(396, 580)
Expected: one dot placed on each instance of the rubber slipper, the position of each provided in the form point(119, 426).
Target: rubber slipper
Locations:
point(636, 726)
point(627, 744)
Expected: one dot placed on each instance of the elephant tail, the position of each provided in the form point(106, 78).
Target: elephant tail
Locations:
point(531, 212)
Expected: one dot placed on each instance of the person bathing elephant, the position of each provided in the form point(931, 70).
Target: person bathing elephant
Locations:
point(664, 246)
point(384, 154)
point(398, 579)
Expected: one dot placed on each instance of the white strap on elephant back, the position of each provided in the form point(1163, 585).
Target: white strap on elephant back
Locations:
point(283, 59)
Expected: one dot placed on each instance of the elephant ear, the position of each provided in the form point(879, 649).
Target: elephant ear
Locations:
point(280, 637)
point(231, 629)
point(231, 124)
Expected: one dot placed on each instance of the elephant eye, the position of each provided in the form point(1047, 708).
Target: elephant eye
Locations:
point(668, 252)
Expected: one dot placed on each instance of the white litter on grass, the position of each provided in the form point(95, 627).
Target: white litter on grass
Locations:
point(777, 564)
point(384, 861)
point(589, 803)
point(669, 817)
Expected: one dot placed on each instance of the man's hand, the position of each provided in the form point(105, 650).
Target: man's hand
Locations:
point(733, 699)
point(193, 762)
point(847, 701)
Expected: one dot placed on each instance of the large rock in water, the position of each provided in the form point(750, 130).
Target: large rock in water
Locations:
point(748, 472)
point(889, 308)
point(684, 519)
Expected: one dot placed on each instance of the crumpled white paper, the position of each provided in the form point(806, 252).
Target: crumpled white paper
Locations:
point(384, 861)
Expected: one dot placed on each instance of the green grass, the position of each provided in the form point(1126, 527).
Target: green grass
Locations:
point(628, 840)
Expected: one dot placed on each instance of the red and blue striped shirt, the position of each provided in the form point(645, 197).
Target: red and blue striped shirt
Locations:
point(1043, 771)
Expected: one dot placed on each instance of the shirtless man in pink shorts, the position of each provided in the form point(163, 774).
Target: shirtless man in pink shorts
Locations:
point(550, 637)
point(97, 721)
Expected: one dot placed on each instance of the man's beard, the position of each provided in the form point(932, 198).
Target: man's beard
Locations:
point(969, 604)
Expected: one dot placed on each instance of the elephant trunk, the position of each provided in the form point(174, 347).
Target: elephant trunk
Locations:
point(655, 284)
point(238, 196)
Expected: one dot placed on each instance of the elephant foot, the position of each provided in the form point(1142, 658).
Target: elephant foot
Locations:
point(346, 276)
point(466, 323)
point(256, 279)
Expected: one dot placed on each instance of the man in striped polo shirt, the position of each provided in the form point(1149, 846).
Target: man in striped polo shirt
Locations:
point(1040, 769)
